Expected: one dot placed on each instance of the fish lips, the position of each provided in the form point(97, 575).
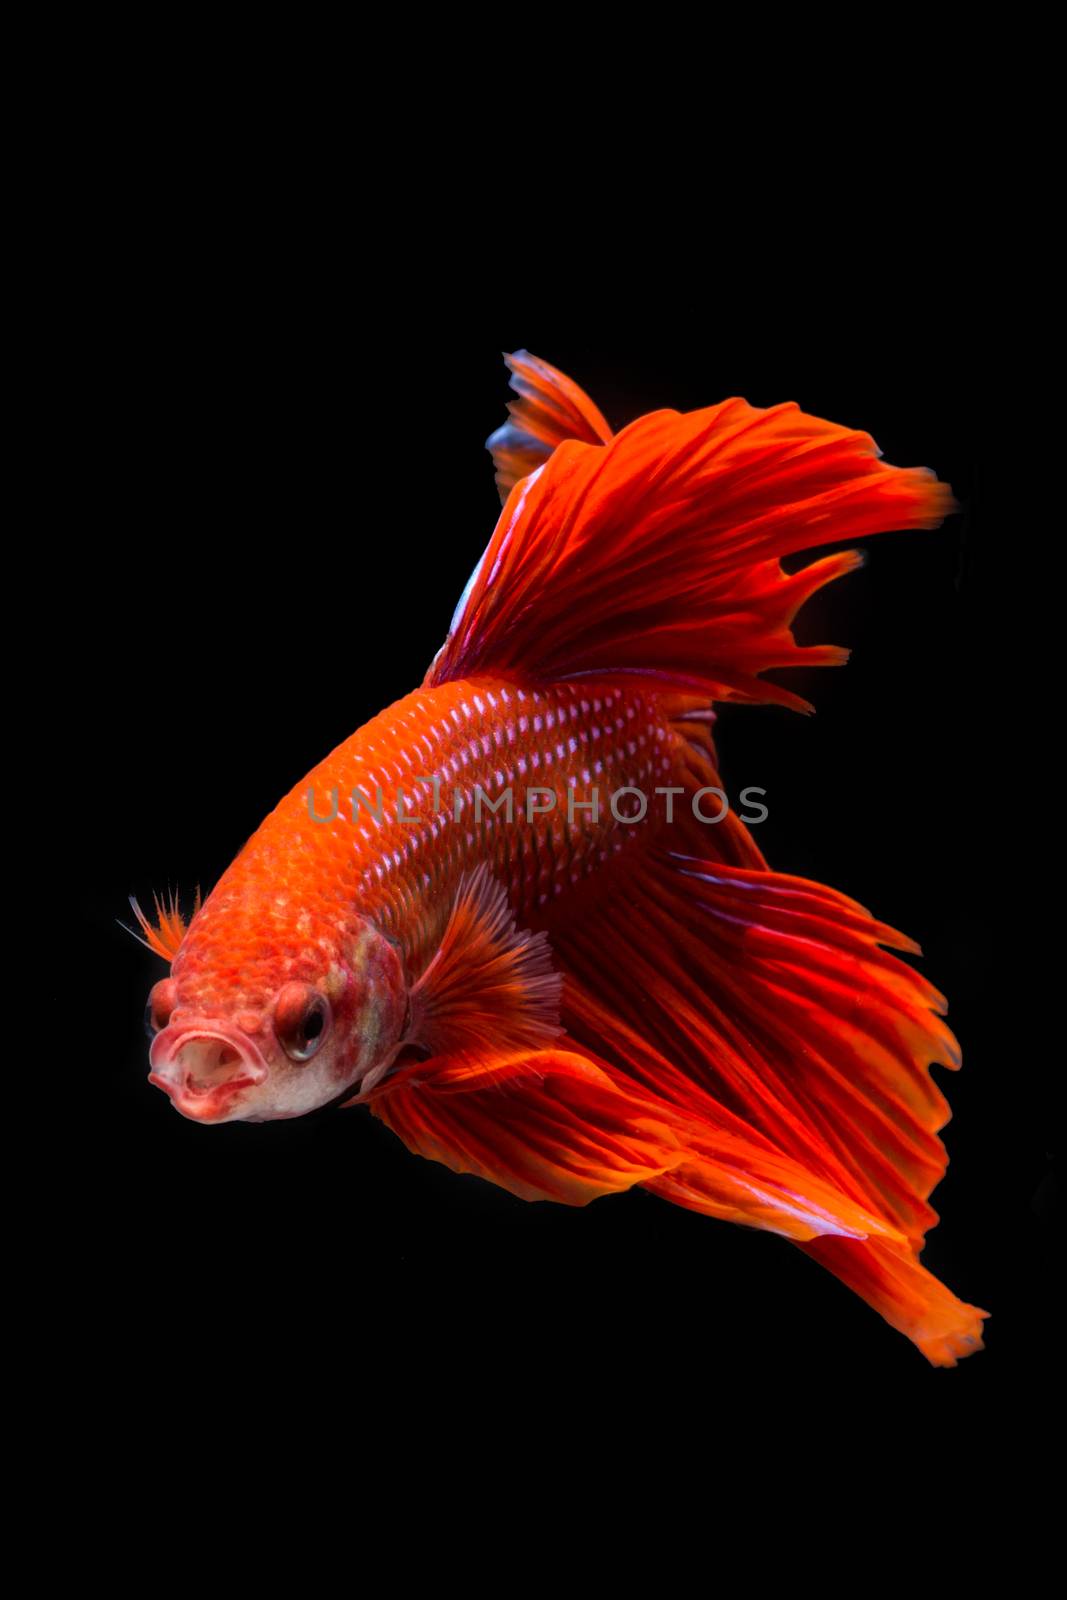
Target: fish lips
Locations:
point(205, 1068)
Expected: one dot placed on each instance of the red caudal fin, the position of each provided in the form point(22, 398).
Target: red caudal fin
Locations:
point(550, 408)
point(555, 1125)
point(772, 1008)
point(659, 552)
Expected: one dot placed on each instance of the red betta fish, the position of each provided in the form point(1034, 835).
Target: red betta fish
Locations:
point(499, 914)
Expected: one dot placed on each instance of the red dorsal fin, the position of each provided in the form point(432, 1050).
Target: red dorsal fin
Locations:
point(550, 408)
point(659, 553)
point(490, 983)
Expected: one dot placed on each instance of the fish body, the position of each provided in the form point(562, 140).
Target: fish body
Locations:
point(427, 772)
point(516, 915)
point(541, 786)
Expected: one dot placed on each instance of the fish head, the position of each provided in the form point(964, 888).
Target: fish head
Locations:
point(263, 1018)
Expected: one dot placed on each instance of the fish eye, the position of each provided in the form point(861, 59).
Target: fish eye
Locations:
point(162, 998)
point(301, 1020)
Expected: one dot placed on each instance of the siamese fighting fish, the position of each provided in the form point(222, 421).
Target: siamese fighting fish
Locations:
point(515, 916)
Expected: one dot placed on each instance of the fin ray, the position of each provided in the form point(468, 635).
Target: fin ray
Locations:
point(550, 408)
point(660, 551)
point(557, 1125)
point(778, 1014)
point(489, 982)
point(164, 936)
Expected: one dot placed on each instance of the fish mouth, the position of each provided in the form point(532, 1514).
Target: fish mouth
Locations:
point(206, 1069)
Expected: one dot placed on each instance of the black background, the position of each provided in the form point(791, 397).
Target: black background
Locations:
point(282, 490)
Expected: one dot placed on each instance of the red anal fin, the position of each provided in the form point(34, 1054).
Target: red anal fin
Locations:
point(550, 408)
point(893, 1280)
point(770, 1007)
point(546, 1125)
point(555, 1125)
point(490, 984)
point(775, 998)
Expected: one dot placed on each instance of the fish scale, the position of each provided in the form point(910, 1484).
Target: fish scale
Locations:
point(491, 735)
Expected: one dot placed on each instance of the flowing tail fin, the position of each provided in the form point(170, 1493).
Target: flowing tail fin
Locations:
point(740, 1043)
point(778, 1009)
point(746, 1020)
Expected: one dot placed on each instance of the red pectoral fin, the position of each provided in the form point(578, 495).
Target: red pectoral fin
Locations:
point(490, 985)
point(555, 1125)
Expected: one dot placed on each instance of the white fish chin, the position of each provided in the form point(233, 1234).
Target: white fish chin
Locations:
point(291, 1092)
